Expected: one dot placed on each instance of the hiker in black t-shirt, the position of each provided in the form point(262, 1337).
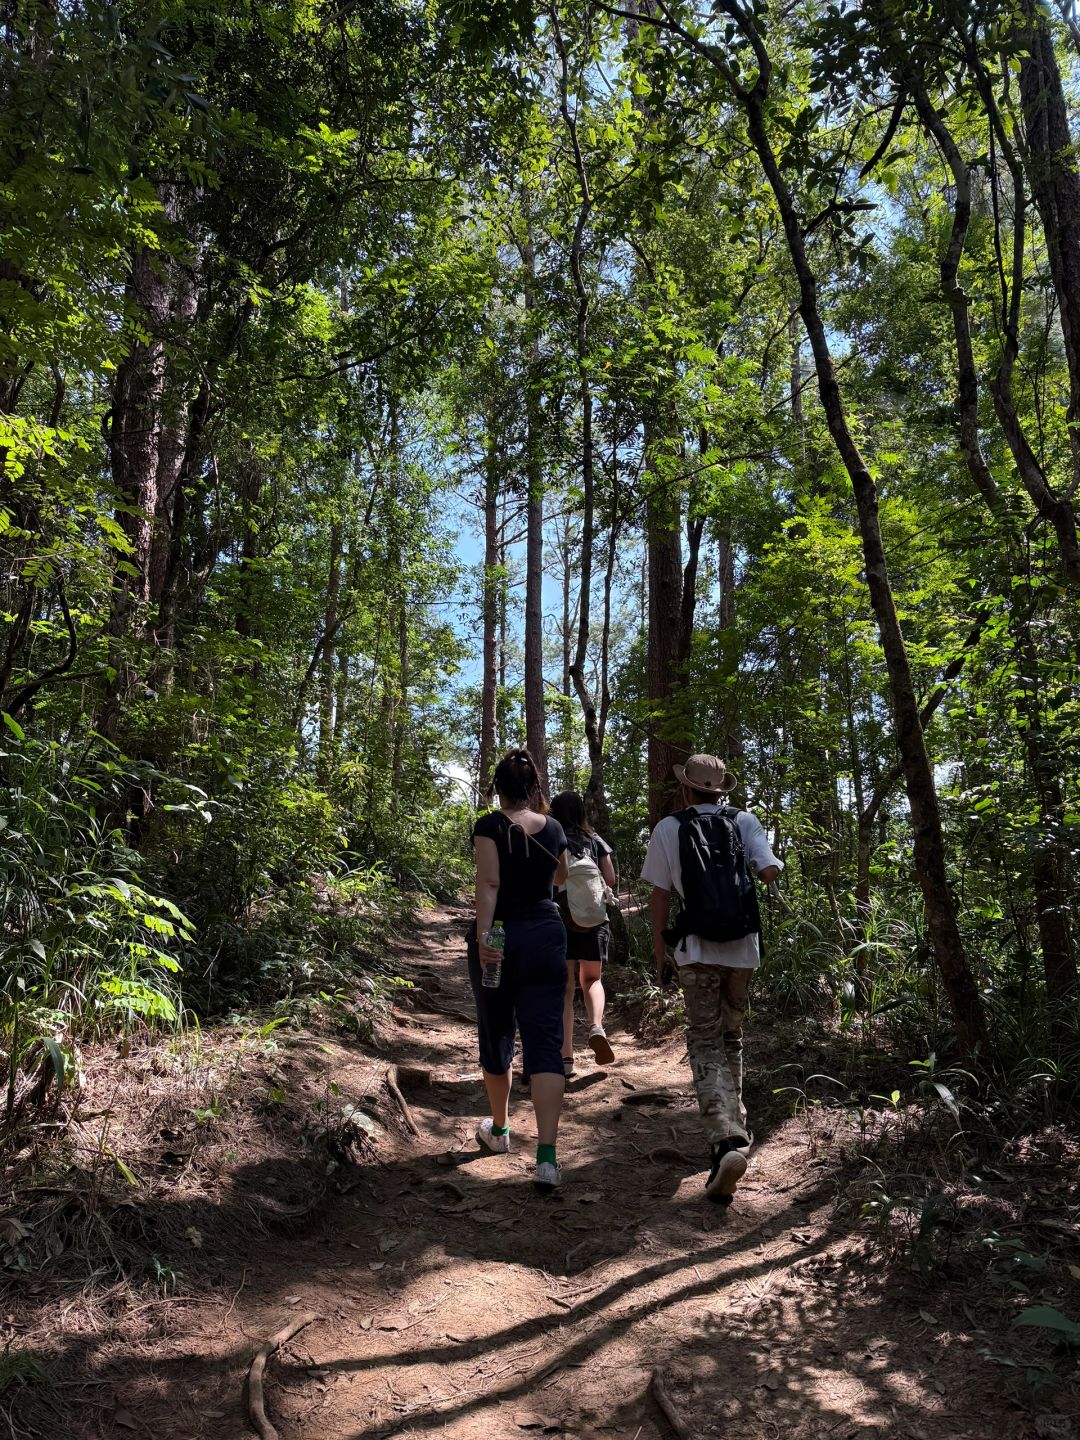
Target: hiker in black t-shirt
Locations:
point(520, 853)
point(588, 936)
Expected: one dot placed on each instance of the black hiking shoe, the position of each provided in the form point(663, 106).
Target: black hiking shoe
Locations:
point(728, 1168)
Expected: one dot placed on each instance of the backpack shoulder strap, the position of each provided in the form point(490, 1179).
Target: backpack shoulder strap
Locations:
point(512, 825)
point(731, 813)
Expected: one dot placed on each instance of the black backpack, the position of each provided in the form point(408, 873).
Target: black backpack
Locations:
point(719, 901)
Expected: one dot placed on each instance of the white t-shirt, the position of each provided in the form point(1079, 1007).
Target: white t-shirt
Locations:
point(662, 868)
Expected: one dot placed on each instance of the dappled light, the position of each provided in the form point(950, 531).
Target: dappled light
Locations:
point(539, 723)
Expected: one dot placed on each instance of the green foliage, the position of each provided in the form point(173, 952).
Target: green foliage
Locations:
point(87, 948)
point(286, 290)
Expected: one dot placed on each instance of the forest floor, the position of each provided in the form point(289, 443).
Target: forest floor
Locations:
point(450, 1297)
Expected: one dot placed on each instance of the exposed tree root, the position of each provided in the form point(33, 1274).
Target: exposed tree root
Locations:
point(403, 1104)
point(667, 1408)
point(649, 1097)
point(256, 1407)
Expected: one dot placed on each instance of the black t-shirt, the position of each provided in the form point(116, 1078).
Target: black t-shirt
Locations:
point(580, 842)
point(526, 862)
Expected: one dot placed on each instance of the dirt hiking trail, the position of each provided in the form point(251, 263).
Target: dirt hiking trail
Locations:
point(454, 1300)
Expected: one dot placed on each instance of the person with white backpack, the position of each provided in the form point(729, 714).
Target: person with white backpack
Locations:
point(583, 900)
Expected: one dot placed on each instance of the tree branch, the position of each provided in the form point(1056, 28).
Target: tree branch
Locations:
point(26, 693)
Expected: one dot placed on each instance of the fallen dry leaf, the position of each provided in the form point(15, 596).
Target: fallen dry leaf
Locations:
point(529, 1420)
point(126, 1419)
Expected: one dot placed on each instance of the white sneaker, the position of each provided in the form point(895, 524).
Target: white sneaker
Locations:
point(548, 1176)
point(497, 1144)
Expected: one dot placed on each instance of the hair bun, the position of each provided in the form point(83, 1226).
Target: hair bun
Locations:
point(517, 777)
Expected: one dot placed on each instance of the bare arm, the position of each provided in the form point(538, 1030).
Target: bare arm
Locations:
point(607, 870)
point(768, 874)
point(487, 890)
point(562, 869)
point(659, 910)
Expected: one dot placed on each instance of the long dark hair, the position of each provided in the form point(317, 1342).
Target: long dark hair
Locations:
point(517, 779)
point(568, 808)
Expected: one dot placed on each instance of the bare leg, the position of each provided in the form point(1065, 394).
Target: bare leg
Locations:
point(498, 1093)
point(592, 988)
point(568, 1014)
point(547, 1098)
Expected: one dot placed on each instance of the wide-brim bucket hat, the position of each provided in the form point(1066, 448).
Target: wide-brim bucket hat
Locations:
point(706, 772)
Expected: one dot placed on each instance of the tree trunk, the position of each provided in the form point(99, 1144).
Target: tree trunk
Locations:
point(1056, 510)
point(502, 602)
point(1055, 185)
point(595, 798)
point(733, 748)
point(688, 606)
point(328, 663)
point(929, 844)
point(535, 710)
point(967, 400)
point(489, 615)
point(1050, 860)
point(567, 728)
point(135, 442)
point(401, 707)
point(663, 523)
point(341, 699)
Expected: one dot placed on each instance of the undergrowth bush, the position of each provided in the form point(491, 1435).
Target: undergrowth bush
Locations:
point(86, 946)
point(241, 895)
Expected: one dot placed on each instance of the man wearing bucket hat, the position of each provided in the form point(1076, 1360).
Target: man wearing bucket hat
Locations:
point(708, 853)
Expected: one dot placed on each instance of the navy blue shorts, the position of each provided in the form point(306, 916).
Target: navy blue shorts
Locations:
point(529, 996)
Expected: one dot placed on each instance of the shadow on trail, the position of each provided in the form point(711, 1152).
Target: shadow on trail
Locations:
point(789, 1391)
point(632, 1185)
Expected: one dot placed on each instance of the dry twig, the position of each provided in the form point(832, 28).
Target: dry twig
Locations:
point(256, 1407)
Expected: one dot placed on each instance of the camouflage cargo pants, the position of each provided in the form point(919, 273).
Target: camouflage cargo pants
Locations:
point(715, 1000)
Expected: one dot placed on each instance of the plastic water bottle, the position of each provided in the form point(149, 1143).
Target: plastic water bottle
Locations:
point(496, 938)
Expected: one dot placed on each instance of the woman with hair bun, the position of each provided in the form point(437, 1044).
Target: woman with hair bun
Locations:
point(520, 856)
